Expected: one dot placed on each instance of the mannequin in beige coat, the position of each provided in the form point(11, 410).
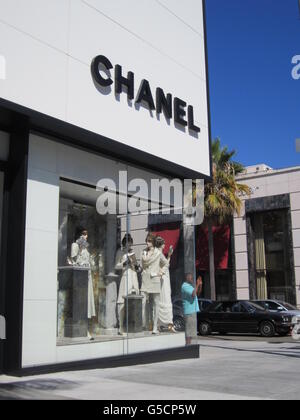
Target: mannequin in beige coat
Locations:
point(154, 266)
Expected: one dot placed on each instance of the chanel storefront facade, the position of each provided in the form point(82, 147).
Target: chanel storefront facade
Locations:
point(98, 101)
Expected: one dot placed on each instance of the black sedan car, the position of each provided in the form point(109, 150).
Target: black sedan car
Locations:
point(242, 317)
point(178, 317)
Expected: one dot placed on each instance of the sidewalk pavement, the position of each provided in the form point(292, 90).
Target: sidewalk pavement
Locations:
point(225, 371)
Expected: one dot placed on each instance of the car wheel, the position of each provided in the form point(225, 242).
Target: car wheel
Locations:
point(204, 329)
point(267, 329)
point(179, 324)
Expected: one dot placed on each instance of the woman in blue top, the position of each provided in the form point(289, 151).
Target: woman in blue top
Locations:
point(190, 305)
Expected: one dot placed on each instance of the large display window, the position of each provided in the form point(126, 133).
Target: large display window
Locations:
point(118, 274)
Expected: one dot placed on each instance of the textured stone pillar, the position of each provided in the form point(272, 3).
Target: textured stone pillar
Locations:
point(133, 313)
point(74, 280)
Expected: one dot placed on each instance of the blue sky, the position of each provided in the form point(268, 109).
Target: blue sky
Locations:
point(255, 102)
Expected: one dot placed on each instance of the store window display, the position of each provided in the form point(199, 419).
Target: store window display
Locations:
point(81, 272)
point(110, 286)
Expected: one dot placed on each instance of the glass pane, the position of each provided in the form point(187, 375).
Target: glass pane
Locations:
point(161, 255)
point(273, 272)
point(274, 240)
point(121, 274)
point(87, 279)
point(157, 269)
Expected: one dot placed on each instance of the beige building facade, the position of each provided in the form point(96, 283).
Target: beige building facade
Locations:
point(267, 235)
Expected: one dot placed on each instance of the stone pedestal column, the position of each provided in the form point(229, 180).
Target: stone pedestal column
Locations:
point(74, 280)
point(133, 314)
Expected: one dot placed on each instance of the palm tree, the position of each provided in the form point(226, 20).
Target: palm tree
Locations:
point(222, 197)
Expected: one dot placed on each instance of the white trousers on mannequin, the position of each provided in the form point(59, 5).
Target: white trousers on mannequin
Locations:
point(151, 304)
point(121, 316)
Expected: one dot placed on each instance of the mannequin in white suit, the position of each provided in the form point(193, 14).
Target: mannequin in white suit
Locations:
point(154, 266)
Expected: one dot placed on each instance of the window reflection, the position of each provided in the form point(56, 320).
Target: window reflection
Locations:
point(118, 275)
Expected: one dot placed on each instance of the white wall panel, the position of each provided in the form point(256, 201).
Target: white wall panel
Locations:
point(240, 243)
point(42, 201)
point(39, 332)
point(243, 294)
point(296, 219)
point(297, 257)
point(44, 20)
point(241, 261)
point(294, 186)
point(41, 265)
point(242, 279)
point(42, 154)
point(157, 27)
point(296, 238)
point(239, 226)
point(295, 201)
point(188, 11)
point(297, 270)
point(35, 73)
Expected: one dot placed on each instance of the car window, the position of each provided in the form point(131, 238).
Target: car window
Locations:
point(288, 306)
point(238, 308)
point(272, 306)
point(219, 307)
point(227, 308)
point(253, 306)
